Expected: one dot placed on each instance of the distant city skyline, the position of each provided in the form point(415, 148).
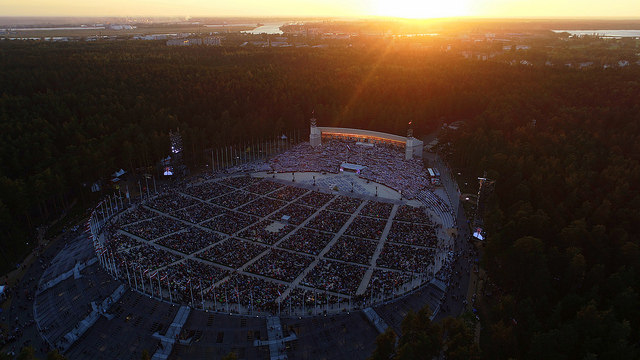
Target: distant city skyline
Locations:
point(333, 8)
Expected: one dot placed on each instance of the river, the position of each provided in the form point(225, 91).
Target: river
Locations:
point(267, 28)
point(603, 33)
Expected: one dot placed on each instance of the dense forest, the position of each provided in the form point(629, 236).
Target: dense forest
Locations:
point(562, 145)
point(563, 247)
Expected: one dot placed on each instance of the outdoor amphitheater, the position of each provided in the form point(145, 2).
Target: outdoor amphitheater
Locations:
point(346, 226)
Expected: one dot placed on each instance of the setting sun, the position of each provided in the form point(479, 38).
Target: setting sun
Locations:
point(416, 9)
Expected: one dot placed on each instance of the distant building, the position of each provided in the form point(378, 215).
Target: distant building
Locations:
point(209, 41)
point(121, 27)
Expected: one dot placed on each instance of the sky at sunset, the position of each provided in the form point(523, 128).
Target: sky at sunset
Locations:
point(335, 8)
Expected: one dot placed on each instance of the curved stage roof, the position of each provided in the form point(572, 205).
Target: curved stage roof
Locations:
point(360, 132)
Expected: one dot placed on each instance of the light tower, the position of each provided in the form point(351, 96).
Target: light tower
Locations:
point(315, 137)
point(176, 164)
point(485, 189)
point(413, 146)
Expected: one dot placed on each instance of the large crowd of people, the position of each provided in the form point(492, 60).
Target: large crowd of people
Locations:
point(266, 232)
point(412, 214)
point(345, 204)
point(315, 199)
point(262, 207)
point(377, 209)
point(329, 221)
point(198, 213)
point(406, 258)
point(235, 199)
point(294, 213)
point(207, 190)
point(366, 227)
point(280, 264)
point(190, 240)
point(171, 201)
point(308, 241)
point(335, 276)
point(288, 193)
point(232, 252)
point(154, 228)
point(241, 242)
point(385, 164)
point(230, 222)
point(412, 234)
point(352, 249)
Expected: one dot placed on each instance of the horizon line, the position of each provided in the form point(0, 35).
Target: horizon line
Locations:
point(341, 17)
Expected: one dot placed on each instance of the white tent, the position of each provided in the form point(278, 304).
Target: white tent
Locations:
point(118, 173)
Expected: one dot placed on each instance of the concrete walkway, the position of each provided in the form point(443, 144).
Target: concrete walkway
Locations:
point(376, 320)
point(169, 339)
point(91, 319)
point(64, 276)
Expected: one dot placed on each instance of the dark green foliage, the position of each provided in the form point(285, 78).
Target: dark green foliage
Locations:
point(385, 346)
point(423, 339)
point(27, 353)
point(230, 356)
point(564, 242)
point(459, 343)
point(55, 355)
point(145, 355)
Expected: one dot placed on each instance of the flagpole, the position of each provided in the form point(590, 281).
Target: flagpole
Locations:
point(150, 284)
point(135, 280)
point(215, 300)
point(238, 297)
point(128, 278)
point(201, 294)
point(191, 291)
point(142, 279)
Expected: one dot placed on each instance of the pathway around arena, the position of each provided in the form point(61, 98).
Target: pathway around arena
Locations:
point(20, 311)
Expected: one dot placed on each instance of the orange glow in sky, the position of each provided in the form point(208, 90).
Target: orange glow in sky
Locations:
point(332, 8)
point(418, 9)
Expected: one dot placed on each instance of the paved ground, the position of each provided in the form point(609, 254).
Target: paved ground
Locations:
point(18, 310)
point(455, 299)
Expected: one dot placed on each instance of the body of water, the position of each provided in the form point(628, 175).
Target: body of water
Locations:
point(603, 33)
point(228, 25)
point(270, 28)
